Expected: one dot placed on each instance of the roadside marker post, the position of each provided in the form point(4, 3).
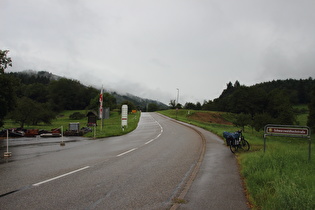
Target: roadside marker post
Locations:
point(62, 143)
point(288, 131)
point(7, 153)
point(94, 131)
point(124, 116)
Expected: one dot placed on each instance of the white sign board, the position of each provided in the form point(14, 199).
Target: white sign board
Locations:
point(124, 115)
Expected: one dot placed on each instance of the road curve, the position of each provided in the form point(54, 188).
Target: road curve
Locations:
point(218, 184)
point(145, 169)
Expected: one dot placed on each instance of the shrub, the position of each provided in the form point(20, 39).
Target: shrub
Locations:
point(76, 116)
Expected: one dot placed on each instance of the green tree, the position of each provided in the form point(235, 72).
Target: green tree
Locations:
point(131, 105)
point(280, 107)
point(223, 103)
point(108, 101)
point(242, 120)
point(152, 107)
point(172, 104)
point(190, 105)
point(311, 116)
point(7, 86)
point(67, 94)
point(248, 100)
point(260, 120)
point(7, 96)
point(179, 106)
point(238, 101)
point(209, 105)
point(30, 112)
point(237, 84)
point(37, 92)
point(24, 110)
point(5, 61)
point(76, 116)
point(198, 106)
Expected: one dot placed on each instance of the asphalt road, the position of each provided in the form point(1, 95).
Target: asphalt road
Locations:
point(218, 184)
point(146, 169)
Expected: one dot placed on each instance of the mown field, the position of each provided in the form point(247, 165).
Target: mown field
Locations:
point(110, 127)
point(280, 178)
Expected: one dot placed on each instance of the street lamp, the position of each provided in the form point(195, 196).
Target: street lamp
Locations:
point(177, 96)
point(177, 102)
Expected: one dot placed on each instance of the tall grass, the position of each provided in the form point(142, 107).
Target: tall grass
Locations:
point(280, 178)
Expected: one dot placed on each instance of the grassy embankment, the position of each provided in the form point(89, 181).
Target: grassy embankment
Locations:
point(280, 178)
point(111, 127)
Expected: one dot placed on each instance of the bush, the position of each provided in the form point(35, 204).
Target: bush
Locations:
point(76, 116)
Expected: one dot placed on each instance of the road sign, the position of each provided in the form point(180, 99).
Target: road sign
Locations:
point(287, 130)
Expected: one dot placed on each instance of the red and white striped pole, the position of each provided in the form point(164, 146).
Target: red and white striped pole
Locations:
point(101, 107)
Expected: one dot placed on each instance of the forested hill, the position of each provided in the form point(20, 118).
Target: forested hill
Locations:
point(296, 91)
point(299, 91)
point(70, 94)
point(270, 102)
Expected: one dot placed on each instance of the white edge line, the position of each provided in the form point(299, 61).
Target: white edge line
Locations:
point(63, 175)
point(153, 139)
point(148, 142)
point(121, 154)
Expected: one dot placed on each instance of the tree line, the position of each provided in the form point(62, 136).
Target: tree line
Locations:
point(31, 97)
point(264, 103)
point(37, 99)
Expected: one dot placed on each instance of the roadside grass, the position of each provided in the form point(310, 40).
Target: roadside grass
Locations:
point(280, 178)
point(111, 126)
point(62, 119)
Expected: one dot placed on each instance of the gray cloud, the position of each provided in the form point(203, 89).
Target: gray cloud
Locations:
point(151, 48)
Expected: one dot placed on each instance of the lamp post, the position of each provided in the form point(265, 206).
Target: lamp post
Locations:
point(177, 96)
point(177, 102)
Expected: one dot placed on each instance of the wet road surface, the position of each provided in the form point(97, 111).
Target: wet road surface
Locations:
point(146, 169)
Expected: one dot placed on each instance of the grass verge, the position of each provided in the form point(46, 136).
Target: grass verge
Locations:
point(110, 127)
point(280, 178)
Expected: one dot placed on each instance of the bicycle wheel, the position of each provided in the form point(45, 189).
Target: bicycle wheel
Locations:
point(233, 148)
point(244, 145)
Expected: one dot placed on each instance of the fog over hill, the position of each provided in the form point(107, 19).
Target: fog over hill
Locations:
point(120, 96)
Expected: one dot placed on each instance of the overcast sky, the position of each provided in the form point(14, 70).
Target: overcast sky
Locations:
point(151, 48)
